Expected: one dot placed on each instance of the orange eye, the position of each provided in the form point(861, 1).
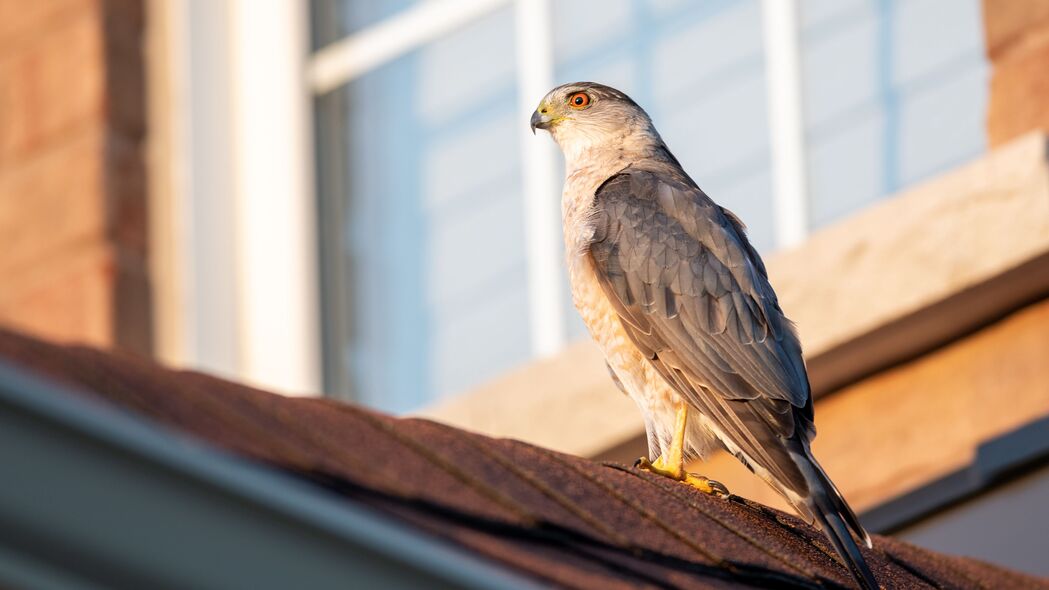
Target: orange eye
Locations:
point(579, 100)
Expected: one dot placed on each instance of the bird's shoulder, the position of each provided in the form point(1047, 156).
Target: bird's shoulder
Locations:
point(662, 206)
point(688, 284)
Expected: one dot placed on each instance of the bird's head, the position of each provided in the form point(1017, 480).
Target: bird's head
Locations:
point(587, 115)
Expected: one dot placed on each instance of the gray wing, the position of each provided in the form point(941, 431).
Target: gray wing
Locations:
point(694, 296)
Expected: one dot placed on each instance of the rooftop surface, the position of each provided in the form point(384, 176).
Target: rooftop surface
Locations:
point(560, 519)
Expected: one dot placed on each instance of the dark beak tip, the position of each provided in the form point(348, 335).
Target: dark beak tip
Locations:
point(535, 121)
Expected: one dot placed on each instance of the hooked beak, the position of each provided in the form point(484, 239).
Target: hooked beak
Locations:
point(539, 121)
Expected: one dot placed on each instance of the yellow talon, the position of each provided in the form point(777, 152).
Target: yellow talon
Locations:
point(707, 485)
point(673, 464)
point(659, 468)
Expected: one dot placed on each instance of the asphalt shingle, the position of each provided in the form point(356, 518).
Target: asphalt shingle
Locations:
point(569, 521)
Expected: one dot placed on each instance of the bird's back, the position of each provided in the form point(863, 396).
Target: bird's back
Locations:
point(693, 296)
point(670, 285)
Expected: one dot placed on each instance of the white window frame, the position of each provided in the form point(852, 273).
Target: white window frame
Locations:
point(379, 44)
point(786, 122)
point(234, 226)
point(233, 222)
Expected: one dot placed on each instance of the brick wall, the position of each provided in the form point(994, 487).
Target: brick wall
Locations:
point(1017, 39)
point(72, 175)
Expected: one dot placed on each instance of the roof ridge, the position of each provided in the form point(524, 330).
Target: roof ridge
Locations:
point(562, 500)
point(452, 469)
point(564, 520)
point(697, 507)
point(647, 514)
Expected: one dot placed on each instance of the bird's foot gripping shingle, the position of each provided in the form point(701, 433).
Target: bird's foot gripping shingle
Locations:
point(701, 483)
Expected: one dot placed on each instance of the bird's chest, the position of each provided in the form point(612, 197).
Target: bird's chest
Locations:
point(640, 380)
point(577, 209)
point(597, 312)
point(604, 326)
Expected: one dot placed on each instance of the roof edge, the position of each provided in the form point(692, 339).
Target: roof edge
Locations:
point(98, 497)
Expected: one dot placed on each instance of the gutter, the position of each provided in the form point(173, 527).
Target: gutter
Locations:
point(92, 497)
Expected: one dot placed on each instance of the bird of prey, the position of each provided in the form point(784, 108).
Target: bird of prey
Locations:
point(680, 303)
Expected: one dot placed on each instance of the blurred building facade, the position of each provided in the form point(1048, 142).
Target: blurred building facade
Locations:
point(429, 185)
point(421, 286)
point(343, 199)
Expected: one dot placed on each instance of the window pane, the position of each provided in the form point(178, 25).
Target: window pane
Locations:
point(894, 92)
point(699, 71)
point(423, 244)
point(427, 241)
point(335, 19)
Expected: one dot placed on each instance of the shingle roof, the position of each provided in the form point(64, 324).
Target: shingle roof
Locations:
point(565, 520)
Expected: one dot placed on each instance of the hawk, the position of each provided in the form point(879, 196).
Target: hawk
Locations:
point(680, 303)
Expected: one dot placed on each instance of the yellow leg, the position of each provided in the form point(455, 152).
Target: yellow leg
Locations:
point(672, 464)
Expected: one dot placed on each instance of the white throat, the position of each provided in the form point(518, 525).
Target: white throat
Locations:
point(596, 146)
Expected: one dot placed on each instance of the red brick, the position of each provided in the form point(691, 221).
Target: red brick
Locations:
point(51, 86)
point(68, 300)
point(1019, 91)
point(125, 95)
point(53, 201)
point(125, 67)
point(127, 215)
point(1007, 22)
point(23, 20)
point(73, 203)
point(124, 22)
point(133, 305)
